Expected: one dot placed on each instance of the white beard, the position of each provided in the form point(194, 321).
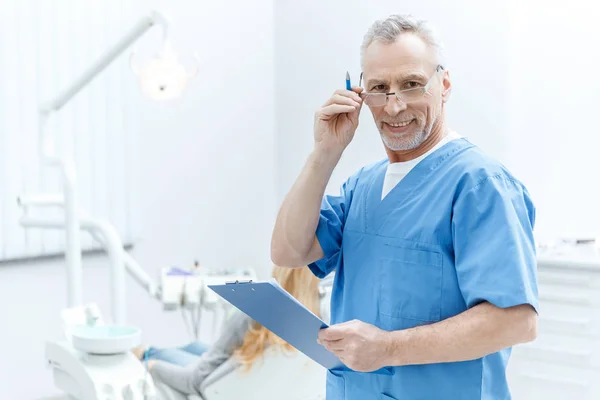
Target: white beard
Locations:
point(409, 142)
point(405, 142)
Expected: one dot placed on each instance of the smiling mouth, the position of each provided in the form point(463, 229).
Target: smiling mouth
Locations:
point(398, 127)
point(399, 124)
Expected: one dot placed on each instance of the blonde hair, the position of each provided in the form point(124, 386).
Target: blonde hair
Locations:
point(300, 283)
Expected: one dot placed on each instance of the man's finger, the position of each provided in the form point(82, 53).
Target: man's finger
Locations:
point(324, 342)
point(346, 100)
point(335, 109)
point(334, 346)
point(349, 94)
point(335, 341)
point(334, 332)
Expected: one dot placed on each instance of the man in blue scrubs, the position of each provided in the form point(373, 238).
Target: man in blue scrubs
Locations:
point(432, 247)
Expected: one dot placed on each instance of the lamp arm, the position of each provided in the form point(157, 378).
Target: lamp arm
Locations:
point(142, 26)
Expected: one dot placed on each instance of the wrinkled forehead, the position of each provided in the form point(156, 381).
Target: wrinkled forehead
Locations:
point(408, 55)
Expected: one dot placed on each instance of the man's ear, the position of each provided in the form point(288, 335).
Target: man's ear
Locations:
point(446, 87)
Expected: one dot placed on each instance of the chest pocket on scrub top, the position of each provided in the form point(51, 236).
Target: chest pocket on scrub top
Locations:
point(410, 283)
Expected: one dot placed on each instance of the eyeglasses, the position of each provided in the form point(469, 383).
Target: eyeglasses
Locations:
point(406, 96)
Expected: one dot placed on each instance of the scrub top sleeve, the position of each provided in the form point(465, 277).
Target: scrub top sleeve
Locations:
point(494, 248)
point(330, 228)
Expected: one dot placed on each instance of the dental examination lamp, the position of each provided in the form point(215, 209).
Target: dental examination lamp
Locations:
point(95, 361)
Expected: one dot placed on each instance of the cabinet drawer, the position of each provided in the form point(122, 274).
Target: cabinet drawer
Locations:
point(531, 380)
point(556, 293)
point(550, 348)
point(573, 278)
point(569, 319)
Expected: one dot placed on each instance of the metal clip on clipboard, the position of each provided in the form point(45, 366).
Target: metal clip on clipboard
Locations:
point(237, 281)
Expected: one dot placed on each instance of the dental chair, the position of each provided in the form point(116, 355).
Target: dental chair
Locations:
point(279, 375)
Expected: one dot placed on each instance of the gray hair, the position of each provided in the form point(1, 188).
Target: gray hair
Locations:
point(388, 30)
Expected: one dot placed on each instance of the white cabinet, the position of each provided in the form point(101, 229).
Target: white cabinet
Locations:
point(563, 363)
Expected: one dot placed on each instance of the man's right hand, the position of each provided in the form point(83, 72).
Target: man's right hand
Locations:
point(337, 120)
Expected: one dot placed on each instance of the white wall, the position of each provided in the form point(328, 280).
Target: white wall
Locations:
point(554, 103)
point(524, 89)
point(198, 158)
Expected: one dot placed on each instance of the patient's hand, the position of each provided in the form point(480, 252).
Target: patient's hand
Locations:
point(139, 352)
point(151, 364)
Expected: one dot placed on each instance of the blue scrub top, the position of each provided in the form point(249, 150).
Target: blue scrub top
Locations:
point(455, 232)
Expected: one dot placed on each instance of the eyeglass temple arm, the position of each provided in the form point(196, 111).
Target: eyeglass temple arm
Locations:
point(437, 69)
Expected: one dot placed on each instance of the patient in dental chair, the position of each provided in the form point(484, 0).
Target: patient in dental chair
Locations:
point(242, 340)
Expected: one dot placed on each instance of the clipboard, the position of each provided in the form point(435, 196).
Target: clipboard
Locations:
point(274, 308)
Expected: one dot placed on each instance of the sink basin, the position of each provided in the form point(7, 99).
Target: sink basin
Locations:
point(105, 339)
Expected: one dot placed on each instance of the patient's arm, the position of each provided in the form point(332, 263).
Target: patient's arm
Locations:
point(189, 379)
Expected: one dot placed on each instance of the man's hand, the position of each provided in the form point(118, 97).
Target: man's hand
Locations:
point(337, 120)
point(360, 346)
